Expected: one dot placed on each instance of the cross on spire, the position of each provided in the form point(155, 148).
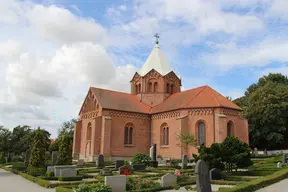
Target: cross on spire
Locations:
point(157, 38)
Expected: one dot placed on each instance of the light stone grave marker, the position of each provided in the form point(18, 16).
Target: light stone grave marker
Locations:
point(118, 183)
point(68, 172)
point(61, 167)
point(168, 180)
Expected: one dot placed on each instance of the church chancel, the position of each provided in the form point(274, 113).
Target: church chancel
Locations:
point(118, 125)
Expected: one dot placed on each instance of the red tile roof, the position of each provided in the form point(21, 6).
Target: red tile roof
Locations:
point(198, 97)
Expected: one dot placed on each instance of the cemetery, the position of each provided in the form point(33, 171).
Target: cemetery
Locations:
point(152, 173)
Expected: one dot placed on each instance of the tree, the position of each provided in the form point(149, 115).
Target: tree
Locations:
point(186, 140)
point(230, 154)
point(235, 154)
point(5, 140)
point(229, 98)
point(265, 105)
point(65, 150)
point(67, 128)
point(37, 158)
point(20, 141)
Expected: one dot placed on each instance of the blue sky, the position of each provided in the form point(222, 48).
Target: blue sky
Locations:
point(52, 51)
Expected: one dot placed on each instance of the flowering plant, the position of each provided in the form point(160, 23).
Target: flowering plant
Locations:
point(126, 173)
point(177, 172)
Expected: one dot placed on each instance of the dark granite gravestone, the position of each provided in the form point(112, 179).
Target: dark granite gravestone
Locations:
point(124, 169)
point(202, 177)
point(119, 163)
point(154, 162)
point(215, 174)
point(184, 161)
point(27, 157)
point(106, 172)
point(54, 157)
point(139, 167)
point(100, 161)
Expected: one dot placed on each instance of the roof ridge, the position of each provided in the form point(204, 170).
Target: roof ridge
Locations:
point(204, 87)
point(111, 90)
point(210, 89)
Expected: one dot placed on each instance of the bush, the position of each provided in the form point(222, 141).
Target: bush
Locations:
point(49, 178)
point(139, 183)
point(2, 158)
point(35, 171)
point(258, 183)
point(50, 174)
point(182, 178)
point(141, 158)
point(176, 187)
point(17, 159)
point(98, 187)
point(76, 178)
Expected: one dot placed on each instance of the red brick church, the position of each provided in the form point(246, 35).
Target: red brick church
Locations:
point(118, 124)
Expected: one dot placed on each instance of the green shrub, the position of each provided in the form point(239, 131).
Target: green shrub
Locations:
point(2, 158)
point(35, 171)
point(50, 174)
point(176, 187)
point(182, 178)
point(64, 189)
point(17, 159)
point(49, 178)
point(97, 187)
point(139, 183)
point(174, 163)
point(141, 158)
point(258, 183)
point(76, 178)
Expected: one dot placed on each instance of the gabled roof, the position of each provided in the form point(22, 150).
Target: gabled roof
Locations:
point(200, 97)
point(156, 61)
point(119, 101)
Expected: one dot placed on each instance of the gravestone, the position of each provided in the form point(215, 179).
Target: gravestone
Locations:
point(279, 165)
point(265, 152)
point(54, 157)
point(154, 162)
point(118, 183)
point(202, 177)
point(124, 169)
point(106, 172)
point(168, 180)
point(255, 151)
point(100, 161)
point(215, 174)
point(139, 167)
point(119, 163)
point(58, 168)
point(70, 172)
point(284, 159)
point(50, 168)
point(80, 162)
point(184, 161)
point(27, 157)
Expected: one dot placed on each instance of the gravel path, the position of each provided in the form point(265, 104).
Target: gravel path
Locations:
point(10, 182)
point(277, 187)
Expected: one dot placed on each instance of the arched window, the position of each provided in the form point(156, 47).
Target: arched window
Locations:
point(164, 140)
point(167, 88)
point(89, 132)
point(172, 89)
point(150, 87)
point(201, 133)
point(155, 87)
point(230, 129)
point(128, 134)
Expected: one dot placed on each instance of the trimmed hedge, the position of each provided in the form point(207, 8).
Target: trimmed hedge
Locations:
point(76, 178)
point(258, 183)
point(63, 189)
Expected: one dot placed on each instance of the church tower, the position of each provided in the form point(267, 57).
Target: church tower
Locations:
point(156, 80)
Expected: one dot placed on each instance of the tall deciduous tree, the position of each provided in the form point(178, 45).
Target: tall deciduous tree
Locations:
point(265, 105)
point(5, 140)
point(186, 140)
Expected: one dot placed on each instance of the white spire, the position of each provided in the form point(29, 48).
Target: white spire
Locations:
point(156, 61)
